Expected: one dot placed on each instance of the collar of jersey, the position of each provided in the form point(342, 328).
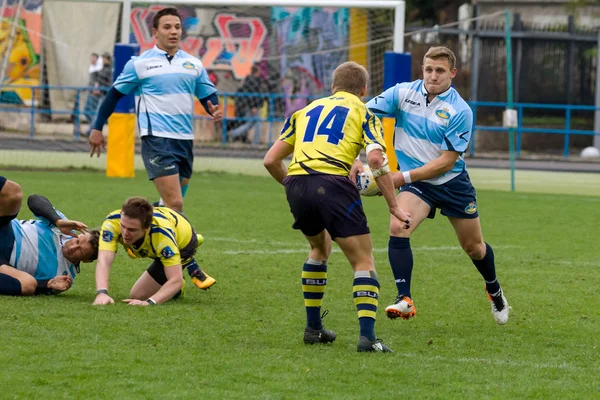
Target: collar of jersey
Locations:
point(144, 243)
point(343, 94)
point(443, 94)
point(161, 51)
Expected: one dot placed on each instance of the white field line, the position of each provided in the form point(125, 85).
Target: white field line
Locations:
point(293, 250)
point(488, 361)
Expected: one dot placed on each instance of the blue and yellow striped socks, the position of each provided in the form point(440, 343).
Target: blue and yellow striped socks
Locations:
point(366, 299)
point(314, 279)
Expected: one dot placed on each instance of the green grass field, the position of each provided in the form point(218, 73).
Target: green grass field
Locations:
point(243, 338)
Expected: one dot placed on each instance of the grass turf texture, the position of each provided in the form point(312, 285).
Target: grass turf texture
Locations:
point(243, 338)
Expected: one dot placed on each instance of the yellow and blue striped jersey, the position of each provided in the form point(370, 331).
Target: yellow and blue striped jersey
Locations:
point(329, 133)
point(169, 233)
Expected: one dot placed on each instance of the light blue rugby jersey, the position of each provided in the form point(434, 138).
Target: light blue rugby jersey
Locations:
point(164, 91)
point(37, 249)
point(423, 130)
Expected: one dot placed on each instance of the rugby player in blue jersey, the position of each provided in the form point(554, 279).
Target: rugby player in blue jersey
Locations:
point(324, 138)
point(432, 131)
point(165, 80)
point(41, 255)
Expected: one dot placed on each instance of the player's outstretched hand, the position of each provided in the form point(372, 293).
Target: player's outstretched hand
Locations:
point(402, 216)
point(103, 299)
point(136, 302)
point(67, 226)
point(97, 142)
point(357, 168)
point(215, 111)
point(60, 283)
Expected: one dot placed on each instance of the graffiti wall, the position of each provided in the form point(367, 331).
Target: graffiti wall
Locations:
point(297, 49)
point(23, 66)
point(311, 43)
point(227, 43)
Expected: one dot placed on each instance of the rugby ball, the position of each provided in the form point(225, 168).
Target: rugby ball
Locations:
point(366, 183)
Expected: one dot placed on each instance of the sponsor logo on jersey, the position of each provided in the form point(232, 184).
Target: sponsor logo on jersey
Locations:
point(153, 67)
point(107, 236)
point(167, 252)
point(471, 208)
point(414, 103)
point(188, 65)
point(443, 113)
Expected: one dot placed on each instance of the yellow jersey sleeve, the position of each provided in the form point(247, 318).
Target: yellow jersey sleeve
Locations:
point(288, 132)
point(110, 232)
point(165, 245)
point(373, 131)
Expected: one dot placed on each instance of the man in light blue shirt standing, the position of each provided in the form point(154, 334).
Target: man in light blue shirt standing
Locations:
point(164, 80)
point(432, 131)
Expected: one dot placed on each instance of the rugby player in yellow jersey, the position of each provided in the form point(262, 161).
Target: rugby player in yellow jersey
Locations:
point(325, 138)
point(153, 232)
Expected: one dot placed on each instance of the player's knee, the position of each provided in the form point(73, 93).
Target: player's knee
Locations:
point(175, 203)
point(28, 285)
point(474, 250)
point(397, 229)
point(12, 193)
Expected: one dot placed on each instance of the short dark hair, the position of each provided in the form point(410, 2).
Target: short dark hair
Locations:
point(138, 208)
point(94, 242)
point(162, 13)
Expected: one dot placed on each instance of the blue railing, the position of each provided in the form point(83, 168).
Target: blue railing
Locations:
point(520, 129)
point(273, 117)
point(32, 109)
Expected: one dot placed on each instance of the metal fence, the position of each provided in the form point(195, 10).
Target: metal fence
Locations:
point(274, 118)
point(551, 64)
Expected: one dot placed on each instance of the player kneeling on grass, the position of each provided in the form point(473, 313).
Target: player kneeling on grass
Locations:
point(149, 232)
point(42, 255)
point(325, 138)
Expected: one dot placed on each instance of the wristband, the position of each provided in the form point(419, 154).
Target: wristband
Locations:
point(406, 175)
point(102, 291)
point(151, 301)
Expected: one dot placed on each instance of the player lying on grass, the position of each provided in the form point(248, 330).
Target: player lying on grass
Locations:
point(149, 232)
point(42, 255)
point(325, 138)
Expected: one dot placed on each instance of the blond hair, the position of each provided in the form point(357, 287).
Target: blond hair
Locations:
point(437, 52)
point(350, 77)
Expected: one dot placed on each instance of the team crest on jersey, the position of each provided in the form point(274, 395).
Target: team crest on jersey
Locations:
point(471, 208)
point(188, 65)
point(167, 252)
point(107, 236)
point(444, 113)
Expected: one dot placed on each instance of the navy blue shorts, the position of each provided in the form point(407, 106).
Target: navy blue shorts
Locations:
point(325, 202)
point(157, 269)
point(455, 198)
point(7, 239)
point(166, 156)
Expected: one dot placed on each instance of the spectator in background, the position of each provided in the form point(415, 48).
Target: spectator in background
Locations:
point(249, 106)
point(102, 80)
point(274, 87)
point(93, 69)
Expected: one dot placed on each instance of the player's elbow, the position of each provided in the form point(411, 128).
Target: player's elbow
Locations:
point(270, 161)
point(375, 159)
